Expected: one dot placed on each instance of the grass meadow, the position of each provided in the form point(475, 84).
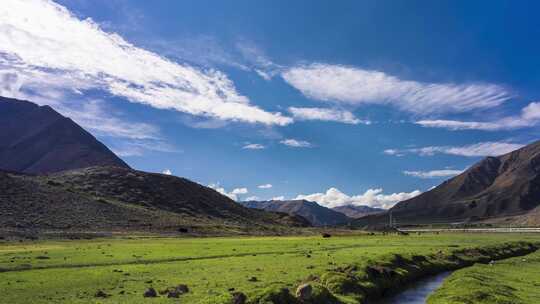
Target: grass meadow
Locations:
point(73, 271)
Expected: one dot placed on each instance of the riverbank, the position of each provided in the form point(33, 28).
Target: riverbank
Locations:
point(515, 280)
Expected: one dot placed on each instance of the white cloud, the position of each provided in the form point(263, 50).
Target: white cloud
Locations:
point(167, 172)
point(473, 150)
point(296, 143)
point(254, 147)
point(42, 42)
point(234, 194)
point(351, 85)
point(460, 125)
point(252, 198)
point(433, 173)
point(139, 147)
point(372, 197)
point(530, 116)
point(531, 111)
point(393, 152)
point(278, 198)
point(326, 115)
point(265, 186)
point(240, 191)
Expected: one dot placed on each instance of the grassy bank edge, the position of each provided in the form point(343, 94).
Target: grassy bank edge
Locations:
point(510, 281)
point(372, 280)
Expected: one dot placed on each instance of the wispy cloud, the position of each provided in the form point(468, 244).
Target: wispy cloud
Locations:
point(126, 148)
point(259, 62)
point(167, 172)
point(254, 147)
point(393, 152)
point(265, 186)
point(95, 116)
point(529, 117)
point(433, 173)
point(325, 114)
point(234, 194)
point(372, 197)
point(43, 42)
point(296, 143)
point(474, 150)
point(356, 86)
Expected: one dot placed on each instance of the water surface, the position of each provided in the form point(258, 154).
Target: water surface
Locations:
point(418, 292)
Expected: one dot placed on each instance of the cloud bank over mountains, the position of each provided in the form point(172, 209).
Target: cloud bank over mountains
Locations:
point(333, 197)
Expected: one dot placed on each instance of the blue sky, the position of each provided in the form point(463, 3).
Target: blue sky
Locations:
point(362, 102)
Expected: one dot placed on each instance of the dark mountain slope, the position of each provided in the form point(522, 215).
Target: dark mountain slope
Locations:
point(353, 211)
point(115, 198)
point(503, 186)
point(37, 139)
point(313, 212)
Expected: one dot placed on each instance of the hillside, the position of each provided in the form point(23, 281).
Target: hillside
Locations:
point(37, 139)
point(497, 189)
point(353, 211)
point(316, 214)
point(118, 199)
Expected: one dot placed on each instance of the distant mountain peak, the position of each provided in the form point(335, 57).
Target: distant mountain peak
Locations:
point(354, 211)
point(37, 139)
point(316, 214)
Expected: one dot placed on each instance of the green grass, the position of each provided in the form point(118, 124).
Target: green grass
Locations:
point(511, 281)
point(73, 271)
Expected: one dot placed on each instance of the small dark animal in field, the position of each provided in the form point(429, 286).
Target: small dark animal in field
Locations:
point(150, 293)
point(175, 292)
point(42, 257)
point(183, 230)
point(253, 279)
point(326, 235)
point(101, 294)
point(239, 298)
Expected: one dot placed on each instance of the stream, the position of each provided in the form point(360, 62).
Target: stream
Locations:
point(418, 292)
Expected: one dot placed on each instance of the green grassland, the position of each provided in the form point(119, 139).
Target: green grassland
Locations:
point(511, 281)
point(72, 271)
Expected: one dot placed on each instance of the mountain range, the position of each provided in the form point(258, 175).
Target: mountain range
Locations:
point(356, 212)
point(316, 214)
point(499, 190)
point(54, 175)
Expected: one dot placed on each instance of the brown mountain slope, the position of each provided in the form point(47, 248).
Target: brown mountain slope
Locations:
point(37, 139)
point(316, 214)
point(115, 198)
point(503, 186)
